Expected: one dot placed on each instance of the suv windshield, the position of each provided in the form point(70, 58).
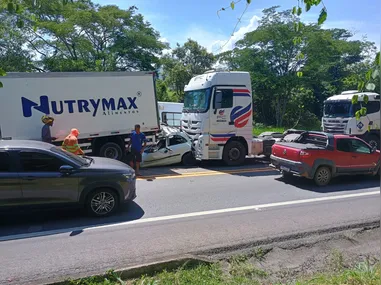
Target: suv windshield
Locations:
point(197, 100)
point(342, 109)
point(76, 158)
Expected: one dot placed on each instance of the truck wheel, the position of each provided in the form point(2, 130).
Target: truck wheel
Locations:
point(102, 202)
point(111, 150)
point(234, 153)
point(323, 176)
point(188, 159)
point(373, 140)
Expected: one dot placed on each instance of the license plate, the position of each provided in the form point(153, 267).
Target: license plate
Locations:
point(285, 168)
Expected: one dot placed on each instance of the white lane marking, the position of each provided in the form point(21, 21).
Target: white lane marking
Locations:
point(190, 215)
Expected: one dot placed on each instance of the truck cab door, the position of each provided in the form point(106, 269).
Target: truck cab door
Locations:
point(221, 126)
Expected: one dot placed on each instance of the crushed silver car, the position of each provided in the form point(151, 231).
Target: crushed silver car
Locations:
point(173, 147)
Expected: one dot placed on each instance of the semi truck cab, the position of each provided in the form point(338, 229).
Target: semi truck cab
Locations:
point(217, 115)
point(339, 116)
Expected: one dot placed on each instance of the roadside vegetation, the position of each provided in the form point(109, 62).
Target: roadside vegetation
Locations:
point(294, 65)
point(240, 271)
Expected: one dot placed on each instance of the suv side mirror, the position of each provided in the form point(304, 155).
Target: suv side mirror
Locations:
point(66, 169)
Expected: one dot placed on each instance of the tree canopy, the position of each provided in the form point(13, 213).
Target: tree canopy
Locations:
point(294, 66)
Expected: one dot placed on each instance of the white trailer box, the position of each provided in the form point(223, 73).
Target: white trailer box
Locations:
point(103, 106)
point(170, 113)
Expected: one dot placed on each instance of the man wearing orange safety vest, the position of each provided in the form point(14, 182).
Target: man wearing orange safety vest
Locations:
point(70, 143)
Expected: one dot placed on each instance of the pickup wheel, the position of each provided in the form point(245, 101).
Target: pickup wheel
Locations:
point(286, 175)
point(323, 176)
point(111, 150)
point(234, 153)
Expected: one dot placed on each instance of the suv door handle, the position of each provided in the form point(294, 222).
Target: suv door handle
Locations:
point(29, 178)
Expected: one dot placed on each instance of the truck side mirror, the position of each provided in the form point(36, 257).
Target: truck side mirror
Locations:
point(217, 100)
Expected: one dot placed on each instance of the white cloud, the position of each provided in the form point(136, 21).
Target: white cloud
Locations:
point(217, 41)
point(358, 28)
point(165, 40)
point(229, 44)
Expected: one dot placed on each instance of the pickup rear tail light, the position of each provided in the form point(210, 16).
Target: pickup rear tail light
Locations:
point(304, 153)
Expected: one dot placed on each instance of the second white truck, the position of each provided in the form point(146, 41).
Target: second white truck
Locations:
point(339, 116)
point(103, 106)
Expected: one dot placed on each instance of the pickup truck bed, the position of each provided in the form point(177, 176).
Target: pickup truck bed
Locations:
point(300, 146)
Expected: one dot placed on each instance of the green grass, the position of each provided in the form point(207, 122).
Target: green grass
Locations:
point(239, 271)
point(257, 130)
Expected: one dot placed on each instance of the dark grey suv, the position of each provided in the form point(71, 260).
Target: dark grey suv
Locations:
point(34, 173)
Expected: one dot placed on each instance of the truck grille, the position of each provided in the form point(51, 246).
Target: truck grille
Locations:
point(192, 129)
point(334, 126)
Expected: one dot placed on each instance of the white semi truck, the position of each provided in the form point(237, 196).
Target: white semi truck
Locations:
point(217, 115)
point(103, 106)
point(339, 116)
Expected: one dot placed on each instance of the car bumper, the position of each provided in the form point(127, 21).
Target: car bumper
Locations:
point(289, 166)
point(129, 190)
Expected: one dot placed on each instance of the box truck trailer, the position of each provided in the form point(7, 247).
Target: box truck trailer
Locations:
point(103, 106)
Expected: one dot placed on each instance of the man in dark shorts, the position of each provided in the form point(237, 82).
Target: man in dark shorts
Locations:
point(137, 143)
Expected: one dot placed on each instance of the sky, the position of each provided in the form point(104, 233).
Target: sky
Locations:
point(198, 19)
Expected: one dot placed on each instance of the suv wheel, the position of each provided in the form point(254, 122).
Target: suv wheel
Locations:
point(102, 202)
point(234, 153)
point(323, 176)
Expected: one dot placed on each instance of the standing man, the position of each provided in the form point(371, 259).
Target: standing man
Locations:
point(45, 132)
point(136, 141)
point(70, 143)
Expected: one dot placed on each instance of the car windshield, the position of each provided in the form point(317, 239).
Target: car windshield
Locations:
point(342, 109)
point(197, 100)
point(71, 156)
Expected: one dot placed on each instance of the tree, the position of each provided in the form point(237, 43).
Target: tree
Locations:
point(370, 77)
point(183, 63)
point(12, 56)
point(273, 59)
point(270, 54)
point(82, 36)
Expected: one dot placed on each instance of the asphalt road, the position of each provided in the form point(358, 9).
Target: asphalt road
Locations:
point(178, 211)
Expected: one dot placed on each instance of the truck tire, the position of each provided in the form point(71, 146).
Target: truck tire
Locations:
point(102, 202)
point(234, 153)
point(323, 176)
point(111, 150)
point(188, 159)
point(373, 140)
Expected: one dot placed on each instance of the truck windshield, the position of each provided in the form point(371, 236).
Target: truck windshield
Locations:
point(343, 109)
point(197, 100)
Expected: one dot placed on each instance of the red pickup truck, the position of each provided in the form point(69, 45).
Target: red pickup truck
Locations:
point(322, 156)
